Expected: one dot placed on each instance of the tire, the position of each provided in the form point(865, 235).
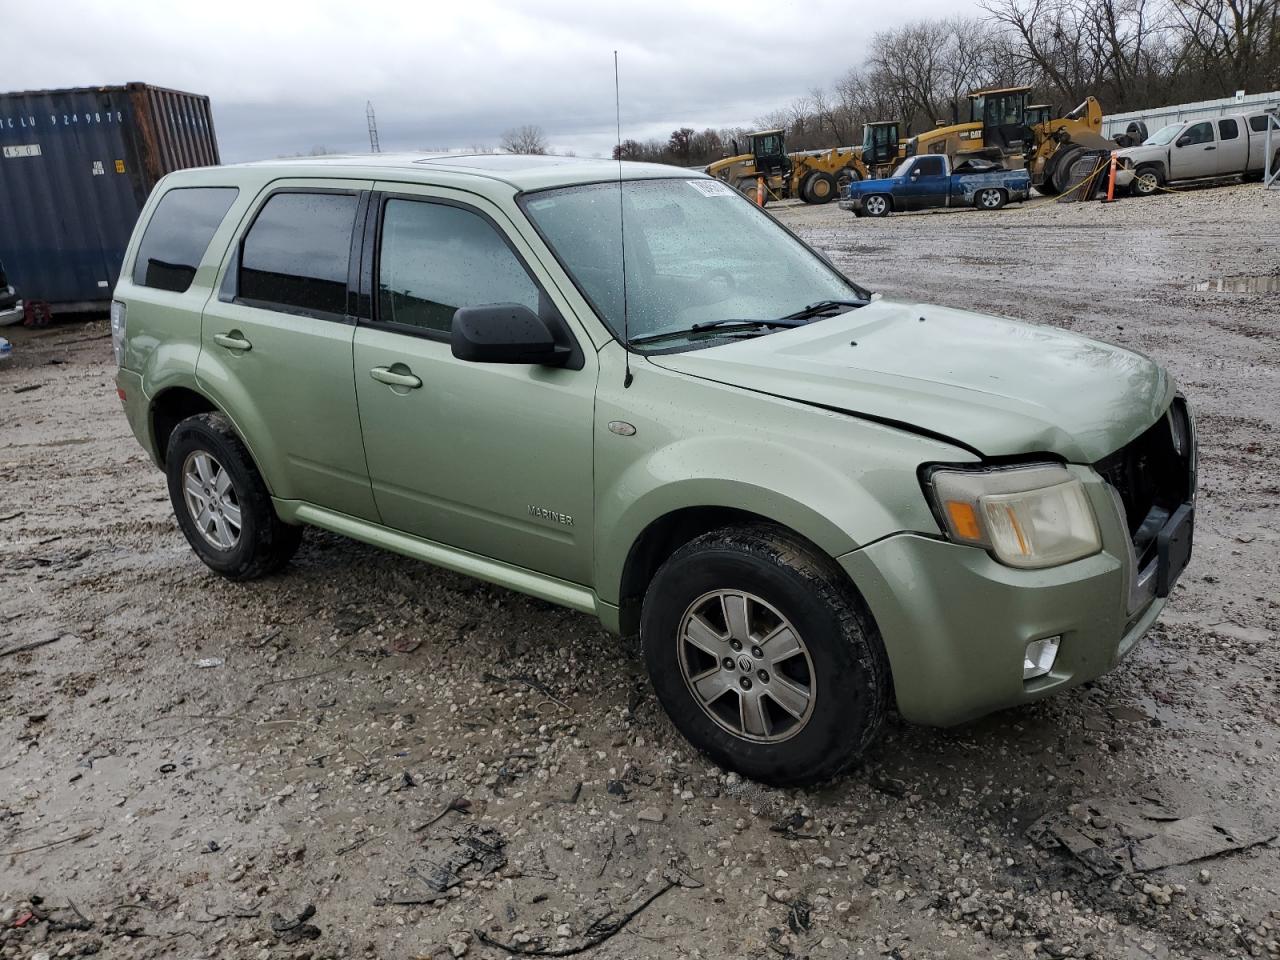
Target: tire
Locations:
point(990, 198)
point(846, 176)
point(1147, 180)
point(747, 186)
point(819, 187)
point(1057, 172)
point(208, 466)
point(835, 681)
point(878, 205)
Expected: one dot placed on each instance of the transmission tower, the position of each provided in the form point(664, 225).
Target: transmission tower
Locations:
point(373, 128)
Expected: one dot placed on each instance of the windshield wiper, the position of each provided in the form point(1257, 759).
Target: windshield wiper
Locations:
point(800, 318)
point(822, 306)
point(732, 323)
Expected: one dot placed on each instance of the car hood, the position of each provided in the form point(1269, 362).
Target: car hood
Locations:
point(1143, 150)
point(997, 386)
point(869, 186)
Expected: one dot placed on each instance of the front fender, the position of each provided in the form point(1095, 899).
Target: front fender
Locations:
point(836, 480)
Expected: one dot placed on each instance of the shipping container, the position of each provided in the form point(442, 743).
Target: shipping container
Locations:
point(76, 166)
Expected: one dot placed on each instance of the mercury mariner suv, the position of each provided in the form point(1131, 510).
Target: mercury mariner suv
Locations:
point(628, 390)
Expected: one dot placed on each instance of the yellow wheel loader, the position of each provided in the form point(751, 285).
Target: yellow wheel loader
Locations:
point(814, 176)
point(1003, 126)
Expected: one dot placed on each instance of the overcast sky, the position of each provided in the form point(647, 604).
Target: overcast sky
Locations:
point(286, 77)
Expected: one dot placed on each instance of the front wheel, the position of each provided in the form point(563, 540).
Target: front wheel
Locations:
point(764, 655)
point(877, 205)
point(1146, 181)
point(990, 198)
point(819, 187)
point(221, 502)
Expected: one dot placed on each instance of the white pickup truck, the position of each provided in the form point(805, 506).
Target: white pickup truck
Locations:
point(1225, 146)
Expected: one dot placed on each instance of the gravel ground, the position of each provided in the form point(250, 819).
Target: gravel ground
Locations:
point(190, 765)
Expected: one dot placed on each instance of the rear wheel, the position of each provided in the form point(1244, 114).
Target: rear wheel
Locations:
point(846, 176)
point(819, 187)
point(877, 205)
point(990, 198)
point(1147, 181)
point(764, 656)
point(221, 502)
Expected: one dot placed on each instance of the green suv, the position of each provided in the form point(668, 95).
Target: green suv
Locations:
point(630, 391)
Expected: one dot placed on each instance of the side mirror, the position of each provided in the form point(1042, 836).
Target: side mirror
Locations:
point(1183, 141)
point(504, 333)
point(915, 174)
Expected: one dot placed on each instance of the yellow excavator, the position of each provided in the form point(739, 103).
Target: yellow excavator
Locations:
point(1003, 126)
point(814, 176)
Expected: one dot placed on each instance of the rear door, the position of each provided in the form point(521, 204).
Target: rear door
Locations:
point(276, 343)
point(1233, 146)
point(1194, 152)
point(494, 459)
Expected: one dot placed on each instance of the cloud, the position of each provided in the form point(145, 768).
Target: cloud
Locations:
point(286, 77)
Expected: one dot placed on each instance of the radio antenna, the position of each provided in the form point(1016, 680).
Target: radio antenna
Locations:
point(622, 231)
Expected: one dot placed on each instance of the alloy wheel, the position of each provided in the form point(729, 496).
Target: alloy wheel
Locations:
point(211, 499)
point(746, 666)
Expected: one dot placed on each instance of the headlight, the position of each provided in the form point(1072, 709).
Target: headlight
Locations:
point(1031, 517)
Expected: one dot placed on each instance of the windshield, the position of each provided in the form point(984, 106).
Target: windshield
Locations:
point(697, 252)
point(1164, 135)
point(901, 169)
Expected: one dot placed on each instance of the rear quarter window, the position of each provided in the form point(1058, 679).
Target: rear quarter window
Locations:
point(1258, 124)
point(178, 235)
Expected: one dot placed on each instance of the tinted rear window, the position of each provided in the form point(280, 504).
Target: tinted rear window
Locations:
point(1258, 123)
point(296, 253)
point(178, 236)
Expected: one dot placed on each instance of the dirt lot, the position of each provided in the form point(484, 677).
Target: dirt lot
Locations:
point(189, 758)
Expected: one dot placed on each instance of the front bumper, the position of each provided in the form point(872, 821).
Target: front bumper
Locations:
point(851, 203)
point(11, 314)
point(955, 622)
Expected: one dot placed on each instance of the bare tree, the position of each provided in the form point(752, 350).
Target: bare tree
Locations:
point(527, 139)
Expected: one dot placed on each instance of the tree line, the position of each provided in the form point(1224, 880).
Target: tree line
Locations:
point(1130, 54)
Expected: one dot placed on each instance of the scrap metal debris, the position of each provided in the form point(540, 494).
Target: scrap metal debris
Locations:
point(479, 847)
point(1112, 837)
point(297, 929)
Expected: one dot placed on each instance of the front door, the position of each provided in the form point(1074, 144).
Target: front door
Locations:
point(275, 347)
point(495, 459)
point(926, 184)
point(1194, 152)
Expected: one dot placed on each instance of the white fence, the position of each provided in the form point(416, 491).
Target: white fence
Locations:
point(1271, 173)
point(1160, 116)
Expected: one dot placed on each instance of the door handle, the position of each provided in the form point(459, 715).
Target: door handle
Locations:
point(232, 341)
point(388, 376)
point(1211, 148)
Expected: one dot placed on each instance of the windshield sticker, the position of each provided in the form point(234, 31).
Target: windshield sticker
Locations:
point(712, 188)
point(541, 204)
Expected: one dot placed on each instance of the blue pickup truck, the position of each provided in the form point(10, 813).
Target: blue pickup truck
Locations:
point(922, 183)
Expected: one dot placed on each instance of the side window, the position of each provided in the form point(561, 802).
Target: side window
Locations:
point(296, 254)
point(178, 235)
point(435, 258)
point(1199, 133)
point(930, 166)
point(1258, 124)
point(1228, 129)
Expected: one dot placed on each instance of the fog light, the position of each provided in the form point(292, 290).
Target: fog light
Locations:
point(1039, 657)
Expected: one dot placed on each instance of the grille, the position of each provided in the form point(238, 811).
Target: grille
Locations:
point(1154, 475)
